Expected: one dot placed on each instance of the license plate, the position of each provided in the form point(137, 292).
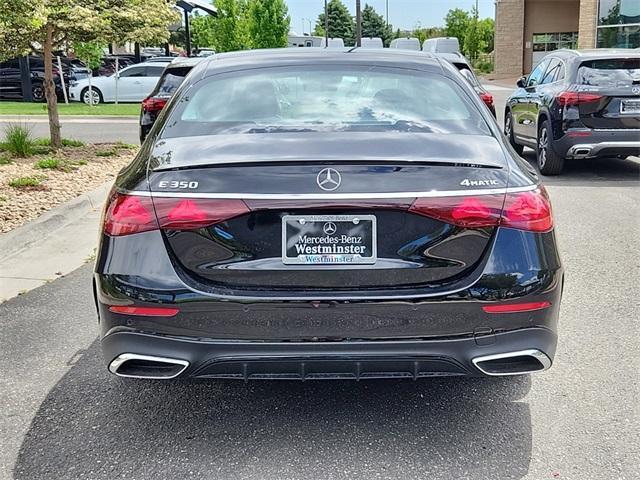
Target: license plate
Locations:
point(630, 106)
point(328, 239)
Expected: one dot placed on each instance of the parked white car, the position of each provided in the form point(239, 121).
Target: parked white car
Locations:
point(135, 83)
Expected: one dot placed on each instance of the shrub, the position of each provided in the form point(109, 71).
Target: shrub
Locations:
point(4, 160)
point(17, 140)
point(49, 162)
point(124, 146)
point(23, 182)
point(66, 142)
point(106, 153)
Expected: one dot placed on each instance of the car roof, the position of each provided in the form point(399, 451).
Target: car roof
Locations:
point(597, 52)
point(453, 57)
point(185, 61)
point(283, 56)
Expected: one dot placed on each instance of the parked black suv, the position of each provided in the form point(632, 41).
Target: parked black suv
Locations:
point(577, 104)
point(11, 80)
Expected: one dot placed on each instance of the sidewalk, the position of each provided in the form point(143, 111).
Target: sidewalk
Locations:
point(70, 119)
point(54, 245)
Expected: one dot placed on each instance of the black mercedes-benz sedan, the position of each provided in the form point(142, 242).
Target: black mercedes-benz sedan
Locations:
point(327, 214)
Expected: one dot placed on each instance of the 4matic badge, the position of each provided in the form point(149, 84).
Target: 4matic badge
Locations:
point(478, 183)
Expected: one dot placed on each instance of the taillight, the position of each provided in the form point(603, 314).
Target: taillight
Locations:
point(566, 99)
point(153, 104)
point(128, 214)
point(194, 213)
point(529, 210)
point(469, 212)
point(487, 98)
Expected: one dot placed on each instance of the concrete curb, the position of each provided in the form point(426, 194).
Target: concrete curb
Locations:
point(49, 222)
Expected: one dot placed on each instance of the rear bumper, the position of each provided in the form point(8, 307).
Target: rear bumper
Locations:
point(598, 143)
point(604, 149)
point(329, 360)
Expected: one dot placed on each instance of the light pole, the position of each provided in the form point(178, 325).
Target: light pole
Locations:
point(306, 20)
point(326, 24)
point(358, 24)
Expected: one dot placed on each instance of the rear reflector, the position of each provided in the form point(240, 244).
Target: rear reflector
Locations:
point(516, 307)
point(575, 98)
point(144, 311)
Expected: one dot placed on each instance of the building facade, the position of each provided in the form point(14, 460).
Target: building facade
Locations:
point(526, 30)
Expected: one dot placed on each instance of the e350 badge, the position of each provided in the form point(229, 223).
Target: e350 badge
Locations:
point(177, 184)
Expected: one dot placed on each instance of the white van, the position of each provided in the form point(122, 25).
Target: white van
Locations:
point(333, 43)
point(406, 43)
point(441, 45)
point(371, 42)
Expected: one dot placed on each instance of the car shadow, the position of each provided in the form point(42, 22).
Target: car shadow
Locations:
point(94, 425)
point(587, 172)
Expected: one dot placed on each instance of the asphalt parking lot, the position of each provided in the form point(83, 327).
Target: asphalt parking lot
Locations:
point(64, 416)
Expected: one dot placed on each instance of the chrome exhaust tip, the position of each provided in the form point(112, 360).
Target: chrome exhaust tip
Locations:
point(512, 363)
point(132, 365)
point(580, 151)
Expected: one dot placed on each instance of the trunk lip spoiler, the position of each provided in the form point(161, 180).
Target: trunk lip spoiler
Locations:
point(330, 196)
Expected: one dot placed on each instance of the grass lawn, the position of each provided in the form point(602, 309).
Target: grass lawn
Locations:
point(75, 108)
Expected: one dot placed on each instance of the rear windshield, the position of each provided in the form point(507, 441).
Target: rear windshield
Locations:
point(170, 81)
point(609, 72)
point(345, 98)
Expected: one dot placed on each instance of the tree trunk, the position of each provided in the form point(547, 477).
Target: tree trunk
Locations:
point(50, 90)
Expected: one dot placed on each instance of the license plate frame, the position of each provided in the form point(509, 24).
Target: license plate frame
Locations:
point(635, 109)
point(350, 226)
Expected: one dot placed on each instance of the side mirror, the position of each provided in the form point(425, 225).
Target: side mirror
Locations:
point(522, 81)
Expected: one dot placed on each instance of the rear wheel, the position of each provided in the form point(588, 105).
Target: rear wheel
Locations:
point(549, 162)
point(508, 131)
point(97, 96)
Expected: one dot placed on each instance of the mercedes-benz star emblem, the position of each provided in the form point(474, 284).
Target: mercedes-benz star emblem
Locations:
point(329, 228)
point(635, 90)
point(328, 179)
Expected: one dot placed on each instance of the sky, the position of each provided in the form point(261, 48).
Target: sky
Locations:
point(403, 14)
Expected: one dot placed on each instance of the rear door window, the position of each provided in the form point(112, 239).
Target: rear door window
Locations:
point(171, 80)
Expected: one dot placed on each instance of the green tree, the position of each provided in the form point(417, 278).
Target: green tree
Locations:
point(268, 23)
point(422, 33)
point(341, 23)
point(487, 29)
point(473, 43)
point(203, 31)
point(49, 25)
point(374, 25)
point(230, 26)
point(91, 54)
point(456, 24)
